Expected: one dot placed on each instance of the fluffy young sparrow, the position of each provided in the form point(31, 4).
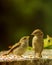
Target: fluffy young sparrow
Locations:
point(37, 42)
point(20, 47)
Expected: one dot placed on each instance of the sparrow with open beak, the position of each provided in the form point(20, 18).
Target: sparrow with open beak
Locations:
point(20, 47)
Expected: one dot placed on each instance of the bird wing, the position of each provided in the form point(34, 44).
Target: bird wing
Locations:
point(14, 47)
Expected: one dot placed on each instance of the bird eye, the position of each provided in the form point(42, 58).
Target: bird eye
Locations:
point(35, 33)
point(41, 33)
point(49, 40)
point(24, 38)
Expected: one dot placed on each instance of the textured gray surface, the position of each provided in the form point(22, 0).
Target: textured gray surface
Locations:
point(27, 58)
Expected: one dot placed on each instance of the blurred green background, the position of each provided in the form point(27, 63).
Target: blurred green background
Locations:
point(21, 17)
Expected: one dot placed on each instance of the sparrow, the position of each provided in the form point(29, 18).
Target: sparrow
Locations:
point(37, 42)
point(20, 47)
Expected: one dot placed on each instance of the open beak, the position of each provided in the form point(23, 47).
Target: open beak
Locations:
point(28, 36)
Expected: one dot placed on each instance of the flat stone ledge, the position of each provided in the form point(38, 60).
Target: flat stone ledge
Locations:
point(29, 62)
point(27, 59)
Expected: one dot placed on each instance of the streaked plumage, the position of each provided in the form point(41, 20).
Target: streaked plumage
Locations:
point(20, 47)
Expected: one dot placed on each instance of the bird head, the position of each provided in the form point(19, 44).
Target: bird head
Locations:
point(24, 39)
point(37, 32)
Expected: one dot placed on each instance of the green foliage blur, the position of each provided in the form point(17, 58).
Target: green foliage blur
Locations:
point(48, 42)
point(21, 17)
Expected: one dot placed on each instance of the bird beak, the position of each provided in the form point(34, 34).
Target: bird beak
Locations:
point(28, 36)
point(32, 34)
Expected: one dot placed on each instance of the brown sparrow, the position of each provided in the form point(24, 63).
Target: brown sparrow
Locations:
point(20, 47)
point(37, 42)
